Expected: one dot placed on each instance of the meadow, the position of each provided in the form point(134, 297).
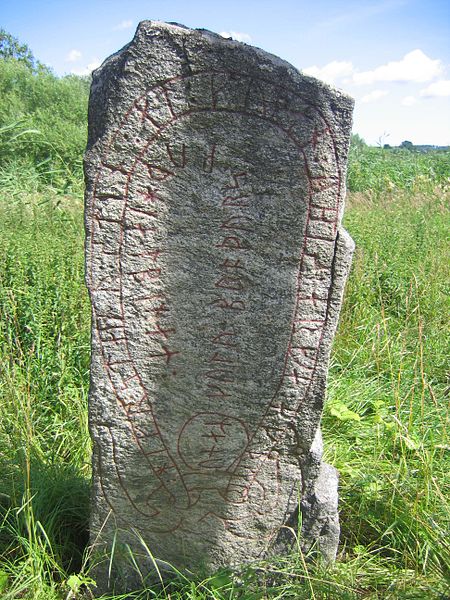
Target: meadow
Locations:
point(387, 410)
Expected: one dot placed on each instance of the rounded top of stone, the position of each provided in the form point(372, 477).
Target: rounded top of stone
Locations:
point(265, 60)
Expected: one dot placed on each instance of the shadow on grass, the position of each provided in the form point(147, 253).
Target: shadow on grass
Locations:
point(402, 535)
point(46, 513)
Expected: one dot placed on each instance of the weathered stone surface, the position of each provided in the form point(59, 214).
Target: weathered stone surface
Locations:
point(216, 265)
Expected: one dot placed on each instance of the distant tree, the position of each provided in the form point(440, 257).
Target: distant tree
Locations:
point(357, 142)
point(42, 116)
point(407, 145)
point(387, 146)
point(10, 47)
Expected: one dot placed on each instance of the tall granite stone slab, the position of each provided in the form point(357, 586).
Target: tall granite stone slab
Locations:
point(216, 263)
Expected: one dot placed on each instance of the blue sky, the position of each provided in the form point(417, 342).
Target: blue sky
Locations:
point(392, 56)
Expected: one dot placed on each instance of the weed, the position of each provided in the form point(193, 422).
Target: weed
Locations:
point(384, 424)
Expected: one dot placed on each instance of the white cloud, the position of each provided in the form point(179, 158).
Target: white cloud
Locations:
point(236, 35)
point(438, 88)
point(331, 72)
point(123, 25)
point(87, 70)
point(73, 56)
point(414, 66)
point(409, 101)
point(373, 96)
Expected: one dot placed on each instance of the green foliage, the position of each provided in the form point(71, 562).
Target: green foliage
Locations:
point(389, 368)
point(44, 356)
point(357, 143)
point(11, 48)
point(43, 125)
point(407, 144)
point(386, 170)
point(385, 421)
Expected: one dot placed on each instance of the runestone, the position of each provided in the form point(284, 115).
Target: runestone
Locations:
point(216, 264)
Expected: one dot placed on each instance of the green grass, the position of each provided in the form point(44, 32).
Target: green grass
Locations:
point(43, 127)
point(387, 412)
point(381, 170)
point(44, 362)
point(384, 423)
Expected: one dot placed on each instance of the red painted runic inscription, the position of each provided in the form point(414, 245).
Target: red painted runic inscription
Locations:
point(232, 242)
point(230, 283)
